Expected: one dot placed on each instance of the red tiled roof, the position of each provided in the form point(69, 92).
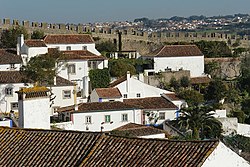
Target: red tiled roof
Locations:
point(151, 103)
point(9, 57)
point(27, 147)
point(118, 81)
point(176, 51)
point(68, 39)
point(120, 151)
point(35, 43)
point(81, 55)
point(63, 82)
point(200, 80)
point(98, 106)
point(108, 92)
point(137, 130)
point(172, 96)
point(30, 147)
point(11, 77)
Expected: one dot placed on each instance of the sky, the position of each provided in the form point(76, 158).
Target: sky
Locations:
point(90, 11)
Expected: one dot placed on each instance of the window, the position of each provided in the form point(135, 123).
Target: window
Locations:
point(68, 48)
point(107, 118)
point(12, 66)
point(71, 69)
point(162, 115)
point(124, 117)
point(138, 95)
point(125, 96)
point(66, 94)
point(14, 106)
point(9, 91)
point(88, 119)
point(84, 48)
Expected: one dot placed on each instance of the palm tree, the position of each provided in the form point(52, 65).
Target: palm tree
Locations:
point(201, 121)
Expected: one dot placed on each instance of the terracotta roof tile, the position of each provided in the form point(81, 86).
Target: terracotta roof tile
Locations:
point(98, 106)
point(172, 96)
point(200, 80)
point(118, 81)
point(176, 51)
point(137, 130)
point(27, 147)
point(68, 39)
point(151, 103)
point(81, 55)
point(12, 77)
point(35, 43)
point(63, 82)
point(9, 57)
point(120, 151)
point(30, 147)
point(108, 92)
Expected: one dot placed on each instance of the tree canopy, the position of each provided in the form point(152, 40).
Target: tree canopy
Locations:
point(99, 78)
point(119, 67)
point(9, 37)
point(37, 34)
point(41, 68)
point(201, 121)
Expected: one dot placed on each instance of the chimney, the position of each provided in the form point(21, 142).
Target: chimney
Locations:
point(128, 81)
point(34, 108)
point(20, 42)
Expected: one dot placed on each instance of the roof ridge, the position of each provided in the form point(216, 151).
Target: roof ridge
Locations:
point(161, 50)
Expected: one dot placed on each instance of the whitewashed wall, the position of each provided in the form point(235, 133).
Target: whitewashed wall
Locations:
point(243, 129)
point(6, 123)
point(193, 63)
point(224, 156)
point(170, 114)
point(64, 125)
point(156, 136)
point(5, 101)
point(59, 100)
point(6, 67)
point(79, 120)
point(63, 47)
point(132, 87)
point(34, 113)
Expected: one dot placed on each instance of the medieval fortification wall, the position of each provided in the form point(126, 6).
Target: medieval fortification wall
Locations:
point(131, 39)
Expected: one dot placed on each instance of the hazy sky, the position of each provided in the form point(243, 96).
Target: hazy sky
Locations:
point(83, 11)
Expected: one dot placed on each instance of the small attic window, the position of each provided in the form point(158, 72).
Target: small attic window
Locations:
point(68, 48)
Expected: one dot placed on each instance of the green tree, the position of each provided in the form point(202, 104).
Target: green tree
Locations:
point(244, 78)
point(201, 121)
point(212, 68)
point(99, 78)
point(119, 67)
point(9, 36)
point(41, 68)
point(174, 83)
point(192, 97)
point(184, 82)
point(216, 90)
point(106, 47)
point(37, 34)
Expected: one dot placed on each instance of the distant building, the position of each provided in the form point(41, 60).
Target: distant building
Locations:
point(176, 58)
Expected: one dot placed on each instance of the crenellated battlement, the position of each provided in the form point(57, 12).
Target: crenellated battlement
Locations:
point(128, 35)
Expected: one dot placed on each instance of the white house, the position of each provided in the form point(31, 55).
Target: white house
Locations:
point(62, 42)
point(131, 87)
point(155, 109)
point(178, 57)
point(10, 82)
point(98, 116)
point(105, 94)
point(9, 60)
point(75, 66)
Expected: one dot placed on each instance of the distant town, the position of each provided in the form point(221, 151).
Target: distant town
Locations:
point(152, 92)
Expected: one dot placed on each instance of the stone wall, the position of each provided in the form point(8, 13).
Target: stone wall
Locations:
point(132, 39)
